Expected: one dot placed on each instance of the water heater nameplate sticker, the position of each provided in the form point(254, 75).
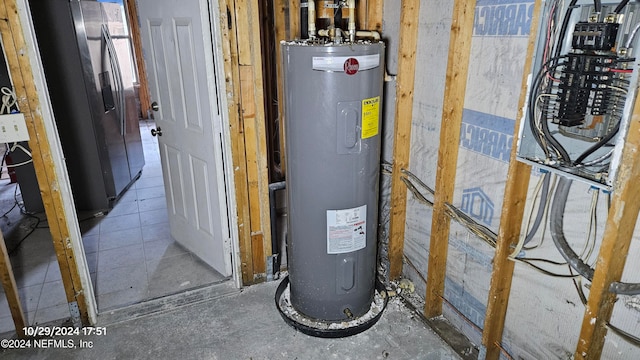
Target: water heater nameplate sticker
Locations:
point(336, 63)
point(370, 117)
point(346, 230)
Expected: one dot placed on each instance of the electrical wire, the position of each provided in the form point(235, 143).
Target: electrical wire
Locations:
point(563, 28)
point(531, 230)
point(481, 231)
point(19, 164)
point(624, 91)
point(540, 130)
point(544, 271)
point(598, 160)
point(417, 179)
point(577, 283)
point(632, 36)
point(546, 216)
point(24, 237)
point(9, 101)
point(634, 340)
point(557, 234)
point(590, 244)
point(597, 4)
point(598, 145)
point(8, 211)
point(557, 231)
point(620, 6)
point(421, 198)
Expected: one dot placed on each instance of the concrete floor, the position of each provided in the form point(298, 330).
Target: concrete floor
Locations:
point(231, 324)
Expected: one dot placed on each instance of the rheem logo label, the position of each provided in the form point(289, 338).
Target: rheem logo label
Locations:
point(351, 66)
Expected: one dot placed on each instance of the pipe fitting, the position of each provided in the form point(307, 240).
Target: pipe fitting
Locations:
point(351, 4)
point(368, 34)
point(312, 19)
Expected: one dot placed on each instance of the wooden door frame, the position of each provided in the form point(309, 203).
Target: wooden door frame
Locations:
point(216, 65)
point(23, 60)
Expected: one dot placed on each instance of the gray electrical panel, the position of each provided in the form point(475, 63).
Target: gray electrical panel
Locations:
point(582, 89)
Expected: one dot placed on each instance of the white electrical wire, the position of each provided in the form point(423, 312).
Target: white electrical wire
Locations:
point(9, 100)
point(18, 146)
point(547, 206)
point(631, 36)
point(598, 160)
point(19, 164)
point(624, 91)
point(590, 244)
point(531, 206)
point(537, 119)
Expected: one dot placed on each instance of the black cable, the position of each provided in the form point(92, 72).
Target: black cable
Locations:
point(553, 64)
point(543, 260)
point(599, 144)
point(546, 272)
point(620, 6)
point(563, 29)
point(337, 14)
point(8, 211)
point(597, 4)
point(577, 285)
point(544, 70)
point(633, 340)
point(27, 235)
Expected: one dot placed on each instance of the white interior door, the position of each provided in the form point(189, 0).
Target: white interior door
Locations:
point(177, 43)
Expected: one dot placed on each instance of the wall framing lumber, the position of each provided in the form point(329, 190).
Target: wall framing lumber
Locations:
point(362, 13)
point(11, 289)
point(374, 15)
point(281, 12)
point(515, 198)
point(409, 20)
point(136, 39)
point(453, 104)
point(232, 79)
point(252, 114)
point(17, 54)
point(618, 233)
point(294, 19)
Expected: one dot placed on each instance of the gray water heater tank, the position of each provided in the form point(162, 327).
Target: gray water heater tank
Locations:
point(333, 107)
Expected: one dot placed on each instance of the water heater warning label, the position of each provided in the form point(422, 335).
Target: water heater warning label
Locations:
point(370, 117)
point(346, 230)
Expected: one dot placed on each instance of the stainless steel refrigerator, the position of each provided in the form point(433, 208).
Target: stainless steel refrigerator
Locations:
point(89, 68)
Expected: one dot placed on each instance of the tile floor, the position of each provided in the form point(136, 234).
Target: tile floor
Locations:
point(130, 254)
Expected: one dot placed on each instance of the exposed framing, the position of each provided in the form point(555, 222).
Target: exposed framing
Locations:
point(453, 104)
point(48, 162)
point(409, 21)
point(618, 233)
point(515, 198)
point(11, 289)
point(243, 74)
point(136, 40)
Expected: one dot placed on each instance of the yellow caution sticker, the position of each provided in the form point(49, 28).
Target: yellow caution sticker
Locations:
point(370, 117)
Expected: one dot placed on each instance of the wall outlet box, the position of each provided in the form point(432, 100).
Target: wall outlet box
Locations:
point(13, 128)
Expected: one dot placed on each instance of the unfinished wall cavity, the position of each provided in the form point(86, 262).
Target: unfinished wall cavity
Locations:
point(545, 312)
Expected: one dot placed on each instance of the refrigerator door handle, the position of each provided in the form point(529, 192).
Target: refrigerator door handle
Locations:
point(115, 68)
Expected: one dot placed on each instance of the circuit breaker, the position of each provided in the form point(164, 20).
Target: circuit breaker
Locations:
point(582, 89)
